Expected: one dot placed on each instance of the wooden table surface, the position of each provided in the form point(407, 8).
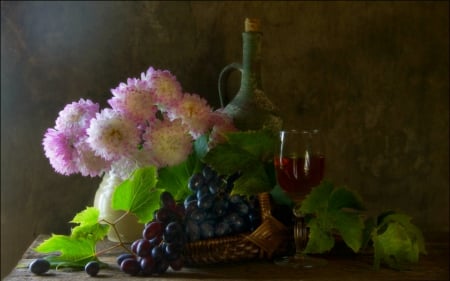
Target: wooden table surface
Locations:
point(434, 266)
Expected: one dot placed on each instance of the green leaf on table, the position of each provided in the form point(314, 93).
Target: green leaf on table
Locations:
point(89, 226)
point(78, 248)
point(73, 251)
point(138, 194)
point(397, 242)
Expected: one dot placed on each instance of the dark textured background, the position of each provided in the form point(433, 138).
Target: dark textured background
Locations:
point(373, 75)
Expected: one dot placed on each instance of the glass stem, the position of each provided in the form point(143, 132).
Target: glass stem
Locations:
point(300, 236)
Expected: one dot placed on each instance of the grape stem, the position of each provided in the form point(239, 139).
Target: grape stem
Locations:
point(120, 243)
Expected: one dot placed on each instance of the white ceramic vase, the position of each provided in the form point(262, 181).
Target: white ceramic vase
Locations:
point(128, 228)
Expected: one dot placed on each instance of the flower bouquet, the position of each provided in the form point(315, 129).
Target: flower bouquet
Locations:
point(150, 122)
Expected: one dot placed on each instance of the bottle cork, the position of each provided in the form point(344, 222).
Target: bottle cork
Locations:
point(252, 25)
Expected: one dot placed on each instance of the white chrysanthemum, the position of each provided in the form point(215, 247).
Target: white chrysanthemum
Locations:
point(134, 100)
point(88, 163)
point(59, 149)
point(195, 112)
point(169, 142)
point(76, 116)
point(165, 86)
point(111, 136)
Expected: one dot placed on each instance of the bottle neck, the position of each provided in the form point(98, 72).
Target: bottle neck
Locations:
point(251, 60)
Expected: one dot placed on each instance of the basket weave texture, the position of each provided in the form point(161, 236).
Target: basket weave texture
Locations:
point(268, 239)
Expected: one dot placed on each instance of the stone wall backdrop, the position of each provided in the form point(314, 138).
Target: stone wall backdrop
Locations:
point(373, 75)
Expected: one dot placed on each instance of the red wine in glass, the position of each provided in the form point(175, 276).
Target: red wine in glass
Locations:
point(297, 175)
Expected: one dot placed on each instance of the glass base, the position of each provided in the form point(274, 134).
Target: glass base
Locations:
point(301, 261)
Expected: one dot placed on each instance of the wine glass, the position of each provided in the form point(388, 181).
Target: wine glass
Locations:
point(299, 164)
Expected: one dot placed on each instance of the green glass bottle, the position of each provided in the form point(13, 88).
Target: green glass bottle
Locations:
point(250, 108)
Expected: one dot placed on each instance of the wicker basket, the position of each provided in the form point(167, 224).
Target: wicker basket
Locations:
point(269, 239)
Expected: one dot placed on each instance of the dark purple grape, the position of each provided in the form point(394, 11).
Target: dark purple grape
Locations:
point(156, 241)
point(202, 191)
point(165, 215)
point(92, 268)
point(122, 257)
point(130, 266)
point(193, 205)
point(177, 264)
point(195, 181)
point(158, 253)
point(134, 246)
point(222, 228)
point(161, 266)
point(143, 248)
point(152, 230)
point(172, 232)
point(147, 265)
point(206, 230)
point(192, 231)
point(236, 199)
point(242, 208)
point(208, 173)
point(39, 266)
point(220, 207)
point(167, 200)
point(238, 224)
point(205, 202)
point(180, 211)
point(198, 215)
point(189, 199)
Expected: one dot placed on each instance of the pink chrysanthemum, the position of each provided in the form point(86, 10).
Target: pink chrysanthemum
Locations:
point(111, 136)
point(169, 142)
point(166, 88)
point(135, 100)
point(76, 116)
point(195, 112)
point(88, 163)
point(59, 149)
point(222, 124)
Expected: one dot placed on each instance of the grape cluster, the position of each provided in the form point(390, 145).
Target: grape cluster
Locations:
point(161, 244)
point(211, 211)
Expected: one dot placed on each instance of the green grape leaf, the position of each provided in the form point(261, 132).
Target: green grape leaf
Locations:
point(397, 242)
point(252, 181)
point(260, 144)
point(395, 247)
point(344, 198)
point(350, 226)
point(78, 248)
point(89, 226)
point(87, 216)
point(320, 239)
point(334, 211)
point(317, 199)
point(227, 159)
point(138, 194)
point(174, 179)
point(71, 249)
